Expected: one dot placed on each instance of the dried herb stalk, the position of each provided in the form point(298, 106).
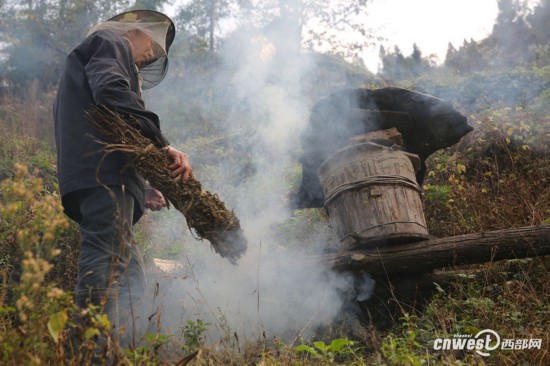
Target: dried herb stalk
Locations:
point(205, 212)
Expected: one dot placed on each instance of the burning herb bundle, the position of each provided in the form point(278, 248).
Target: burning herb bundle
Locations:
point(205, 213)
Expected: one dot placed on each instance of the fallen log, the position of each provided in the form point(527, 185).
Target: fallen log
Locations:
point(425, 256)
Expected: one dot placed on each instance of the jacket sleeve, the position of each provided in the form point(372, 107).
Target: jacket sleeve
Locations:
point(108, 69)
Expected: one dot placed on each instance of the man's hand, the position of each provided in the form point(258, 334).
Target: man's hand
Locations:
point(154, 200)
point(180, 163)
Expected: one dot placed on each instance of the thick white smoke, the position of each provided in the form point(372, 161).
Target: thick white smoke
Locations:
point(275, 290)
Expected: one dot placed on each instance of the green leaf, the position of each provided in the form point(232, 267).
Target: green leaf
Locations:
point(337, 344)
point(6, 310)
point(56, 324)
point(308, 349)
point(103, 319)
point(90, 332)
point(438, 288)
point(321, 346)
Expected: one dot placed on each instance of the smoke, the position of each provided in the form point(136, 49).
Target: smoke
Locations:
point(273, 293)
point(277, 289)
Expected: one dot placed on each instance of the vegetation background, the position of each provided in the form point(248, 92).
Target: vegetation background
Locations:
point(497, 177)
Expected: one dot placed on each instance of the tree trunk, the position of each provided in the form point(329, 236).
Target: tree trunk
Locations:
point(212, 27)
point(427, 255)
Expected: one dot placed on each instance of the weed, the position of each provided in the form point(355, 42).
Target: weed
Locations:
point(337, 349)
point(41, 309)
point(193, 334)
point(497, 177)
point(35, 328)
point(509, 297)
point(149, 350)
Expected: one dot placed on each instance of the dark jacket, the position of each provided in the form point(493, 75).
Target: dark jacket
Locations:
point(99, 71)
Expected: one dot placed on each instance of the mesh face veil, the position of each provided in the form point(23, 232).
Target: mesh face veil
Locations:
point(158, 27)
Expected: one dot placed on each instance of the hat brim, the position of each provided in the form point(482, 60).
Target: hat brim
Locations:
point(158, 27)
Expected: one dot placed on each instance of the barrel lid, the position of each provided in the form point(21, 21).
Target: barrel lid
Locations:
point(354, 148)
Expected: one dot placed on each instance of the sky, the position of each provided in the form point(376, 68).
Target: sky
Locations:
point(431, 24)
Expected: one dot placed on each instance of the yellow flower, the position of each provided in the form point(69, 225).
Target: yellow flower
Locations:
point(55, 293)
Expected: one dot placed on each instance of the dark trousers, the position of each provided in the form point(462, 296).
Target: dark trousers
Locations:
point(110, 265)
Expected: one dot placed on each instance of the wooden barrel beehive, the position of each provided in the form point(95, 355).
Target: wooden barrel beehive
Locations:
point(371, 195)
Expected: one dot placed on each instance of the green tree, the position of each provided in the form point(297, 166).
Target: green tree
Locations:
point(468, 58)
point(201, 18)
point(396, 66)
point(517, 38)
point(38, 34)
point(392, 63)
point(511, 38)
point(149, 4)
point(313, 24)
point(540, 32)
point(290, 25)
point(419, 64)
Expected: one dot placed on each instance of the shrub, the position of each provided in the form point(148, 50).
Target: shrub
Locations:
point(35, 316)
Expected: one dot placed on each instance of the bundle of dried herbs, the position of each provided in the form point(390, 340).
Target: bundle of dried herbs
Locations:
point(205, 212)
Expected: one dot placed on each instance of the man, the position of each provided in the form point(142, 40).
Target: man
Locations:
point(104, 194)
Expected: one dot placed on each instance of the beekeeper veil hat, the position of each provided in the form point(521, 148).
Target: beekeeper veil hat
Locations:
point(158, 27)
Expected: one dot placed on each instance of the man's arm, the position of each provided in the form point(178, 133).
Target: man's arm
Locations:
point(108, 69)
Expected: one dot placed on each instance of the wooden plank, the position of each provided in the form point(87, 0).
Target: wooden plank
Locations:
point(386, 137)
point(427, 255)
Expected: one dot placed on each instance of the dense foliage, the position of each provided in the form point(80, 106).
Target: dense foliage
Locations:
point(496, 177)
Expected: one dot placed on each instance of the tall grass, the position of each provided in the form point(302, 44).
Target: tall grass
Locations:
point(495, 178)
